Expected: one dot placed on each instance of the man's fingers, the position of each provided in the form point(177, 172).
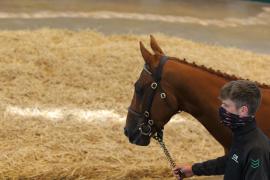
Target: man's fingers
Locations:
point(179, 170)
point(175, 172)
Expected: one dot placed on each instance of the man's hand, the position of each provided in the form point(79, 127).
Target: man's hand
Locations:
point(186, 169)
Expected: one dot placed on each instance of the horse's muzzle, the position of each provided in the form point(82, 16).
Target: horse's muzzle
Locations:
point(137, 138)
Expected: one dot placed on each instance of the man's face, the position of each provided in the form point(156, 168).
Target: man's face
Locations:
point(230, 106)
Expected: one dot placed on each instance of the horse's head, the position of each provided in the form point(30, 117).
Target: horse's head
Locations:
point(154, 101)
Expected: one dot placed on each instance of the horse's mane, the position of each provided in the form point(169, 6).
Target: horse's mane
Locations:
point(217, 72)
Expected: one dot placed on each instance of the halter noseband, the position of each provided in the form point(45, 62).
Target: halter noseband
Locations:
point(147, 124)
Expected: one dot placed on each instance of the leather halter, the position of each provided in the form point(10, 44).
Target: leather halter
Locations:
point(147, 124)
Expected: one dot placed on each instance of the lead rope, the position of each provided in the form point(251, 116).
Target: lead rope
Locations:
point(159, 138)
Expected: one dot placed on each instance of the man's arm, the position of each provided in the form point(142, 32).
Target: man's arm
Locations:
point(257, 165)
point(212, 167)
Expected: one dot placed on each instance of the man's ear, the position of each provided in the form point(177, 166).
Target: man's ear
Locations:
point(147, 56)
point(244, 111)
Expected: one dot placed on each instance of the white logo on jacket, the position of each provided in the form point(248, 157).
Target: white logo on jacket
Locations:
point(235, 158)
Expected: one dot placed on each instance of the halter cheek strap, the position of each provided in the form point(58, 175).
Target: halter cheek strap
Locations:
point(157, 77)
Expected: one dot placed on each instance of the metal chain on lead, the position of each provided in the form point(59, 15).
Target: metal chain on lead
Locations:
point(167, 154)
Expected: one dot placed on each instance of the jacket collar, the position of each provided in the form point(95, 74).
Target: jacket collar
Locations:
point(245, 129)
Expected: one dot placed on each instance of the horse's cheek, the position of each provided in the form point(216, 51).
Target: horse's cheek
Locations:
point(172, 102)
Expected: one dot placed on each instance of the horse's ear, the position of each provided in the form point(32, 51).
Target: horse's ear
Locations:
point(155, 47)
point(147, 56)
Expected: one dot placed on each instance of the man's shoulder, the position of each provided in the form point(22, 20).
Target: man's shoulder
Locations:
point(262, 139)
point(257, 145)
point(254, 139)
point(258, 152)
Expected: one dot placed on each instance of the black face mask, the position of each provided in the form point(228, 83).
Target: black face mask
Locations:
point(233, 121)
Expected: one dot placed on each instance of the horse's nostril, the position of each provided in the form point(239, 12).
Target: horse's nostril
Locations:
point(125, 132)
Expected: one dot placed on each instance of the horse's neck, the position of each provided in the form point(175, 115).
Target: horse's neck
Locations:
point(198, 88)
point(198, 92)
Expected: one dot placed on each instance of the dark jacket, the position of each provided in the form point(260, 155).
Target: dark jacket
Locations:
point(248, 159)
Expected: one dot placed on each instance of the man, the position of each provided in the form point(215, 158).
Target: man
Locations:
point(249, 156)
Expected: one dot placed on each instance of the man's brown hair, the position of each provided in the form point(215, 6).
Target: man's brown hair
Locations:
point(242, 93)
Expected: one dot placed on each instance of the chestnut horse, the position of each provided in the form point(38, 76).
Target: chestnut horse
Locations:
point(168, 85)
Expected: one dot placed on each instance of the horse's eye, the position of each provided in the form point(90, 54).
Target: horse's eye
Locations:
point(138, 89)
